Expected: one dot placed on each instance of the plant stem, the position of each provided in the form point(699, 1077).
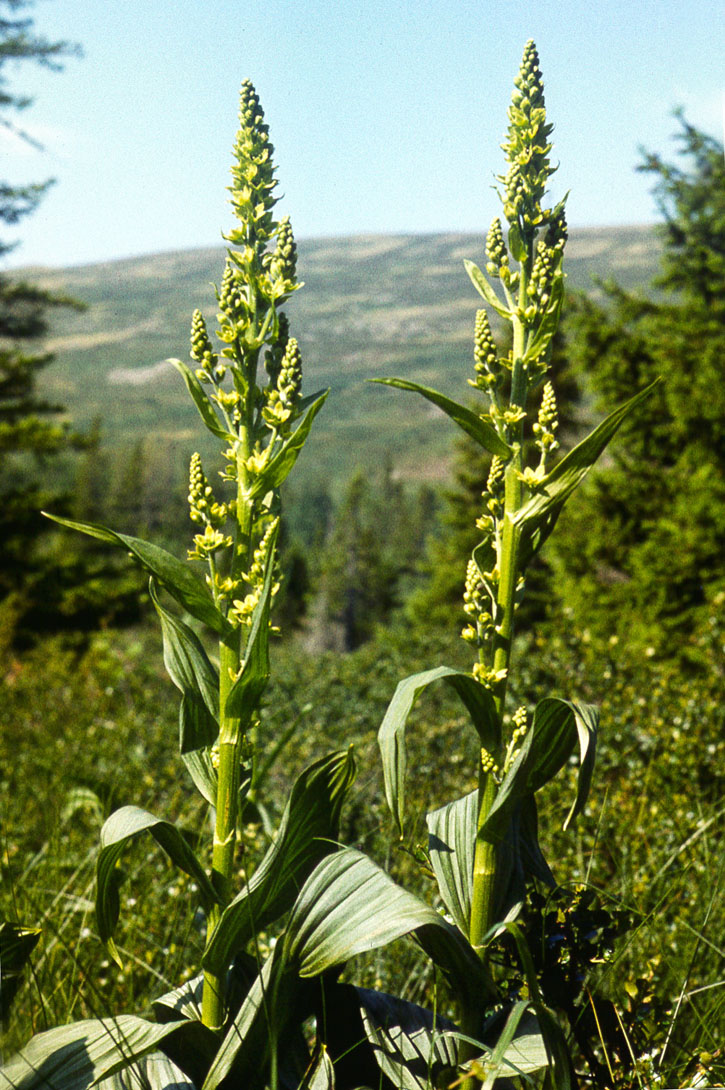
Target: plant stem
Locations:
point(230, 741)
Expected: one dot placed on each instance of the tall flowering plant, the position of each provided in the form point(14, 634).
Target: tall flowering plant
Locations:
point(287, 1021)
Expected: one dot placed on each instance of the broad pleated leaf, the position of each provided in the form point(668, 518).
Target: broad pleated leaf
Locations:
point(282, 461)
point(248, 688)
point(484, 433)
point(16, 945)
point(391, 736)
point(557, 727)
point(537, 517)
point(412, 1047)
point(75, 1056)
point(322, 1075)
point(152, 1072)
point(349, 906)
point(120, 828)
point(177, 577)
point(485, 289)
point(451, 845)
point(520, 1050)
point(201, 399)
point(191, 671)
point(307, 833)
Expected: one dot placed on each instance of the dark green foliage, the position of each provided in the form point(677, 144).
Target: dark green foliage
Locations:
point(373, 550)
point(643, 553)
point(38, 581)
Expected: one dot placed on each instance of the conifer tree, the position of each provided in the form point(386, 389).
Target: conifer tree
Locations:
point(31, 427)
point(651, 536)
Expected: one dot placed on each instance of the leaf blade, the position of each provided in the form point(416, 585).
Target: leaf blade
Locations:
point(484, 434)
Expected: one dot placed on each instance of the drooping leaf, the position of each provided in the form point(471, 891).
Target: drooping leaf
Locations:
point(485, 290)
point(191, 671)
point(307, 833)
point(16, 945)
point(349, 906)
point(412, 1046)
point(281, 462)
point(248, 688)
point(197, 733)
point(75, 1056)
point(178, 579)
point(537, 517)
point(451, 845)
point(391, 736)
point(557, 726)
point(484, 433)
point(203, 403)
point(120, 828)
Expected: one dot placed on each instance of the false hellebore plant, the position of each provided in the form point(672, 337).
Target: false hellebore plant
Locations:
point(288, 1022)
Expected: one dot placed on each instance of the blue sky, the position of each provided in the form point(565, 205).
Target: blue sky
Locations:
point(386, 117)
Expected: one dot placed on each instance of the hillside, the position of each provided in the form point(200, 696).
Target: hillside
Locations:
point(371, 306)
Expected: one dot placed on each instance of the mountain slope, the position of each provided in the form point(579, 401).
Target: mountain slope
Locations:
point(371, 306)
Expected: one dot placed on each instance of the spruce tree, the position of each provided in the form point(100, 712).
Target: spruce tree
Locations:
point(651, 536)
point(31, 427)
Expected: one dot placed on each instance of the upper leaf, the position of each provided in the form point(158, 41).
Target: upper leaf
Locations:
point(247, 690)
point(484, 433)
point(176, 577)
point(203, 403)
point(556, 728)
point(537, 517)
point(282, 461)
point(391, 736)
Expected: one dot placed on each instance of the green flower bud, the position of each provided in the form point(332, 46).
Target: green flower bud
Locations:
point(201, 347)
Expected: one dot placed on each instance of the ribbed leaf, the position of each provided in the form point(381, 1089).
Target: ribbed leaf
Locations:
point(203, 403)
point(152, 1072)
point(391, 736)
point(307, 832)
point(281, 463)
point(349, 906)
point(191, 671)
point(484, 289)
point(451, 844)
point(177, 578)
point(484, 433)
point(321, 1076)
point(556, 728)
point(120, 828)
point(248, 688)
point(412, 1047)
point(517, 1052)
point(75, 1056)
point(537, 517)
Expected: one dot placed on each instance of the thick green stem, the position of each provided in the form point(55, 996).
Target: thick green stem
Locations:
point(483, 893)
point(230, 743)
